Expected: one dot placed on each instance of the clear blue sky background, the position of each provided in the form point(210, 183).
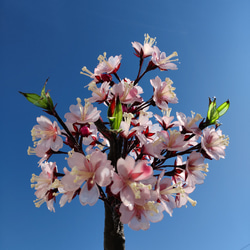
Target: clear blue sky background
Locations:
point(56, 38)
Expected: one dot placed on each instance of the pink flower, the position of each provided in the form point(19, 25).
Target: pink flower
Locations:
point(127, 181)
point(127, 92)
point(49, 135)
point(44, 191)
point(214, 143)
point(174, 140)
point(153, 149)
point(95, 170)
point(109, 66)
point(126, 131)
point(165, 121)
point(188, 123)
point(99, 94)
point(141, 215)
point(182, 190)
point(69, 188)
point(165, 190)
point(96, 77)
point(146, 49)
point(81, 115)
point(163, 92)
point(182, 198)
point(194, 167)
point(162, 61)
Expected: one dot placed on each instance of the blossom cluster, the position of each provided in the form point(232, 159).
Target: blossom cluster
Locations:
point(148, 163)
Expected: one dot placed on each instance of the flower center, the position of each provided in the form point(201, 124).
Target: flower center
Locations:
point(149, 40)
point(81, 175)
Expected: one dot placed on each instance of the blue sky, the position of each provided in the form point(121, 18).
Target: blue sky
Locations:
point(55, 39)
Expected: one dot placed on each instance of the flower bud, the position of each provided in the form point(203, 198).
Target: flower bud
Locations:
point(215, 113)
point(115, 113)
point(84, 131)
point(43, 101)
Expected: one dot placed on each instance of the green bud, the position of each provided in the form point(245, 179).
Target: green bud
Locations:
point(222, 109)
point(214, 113)
point(115, 113)
point(43, 101)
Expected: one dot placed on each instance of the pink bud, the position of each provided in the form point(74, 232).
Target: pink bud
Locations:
point(84, 131)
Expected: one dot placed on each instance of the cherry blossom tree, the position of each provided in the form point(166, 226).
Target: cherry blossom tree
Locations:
point(124, 158)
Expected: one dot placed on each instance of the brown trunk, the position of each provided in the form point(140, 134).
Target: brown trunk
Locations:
point(114, 238)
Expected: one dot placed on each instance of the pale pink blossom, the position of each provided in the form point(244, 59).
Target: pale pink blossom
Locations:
point(141, 215)
point(99, 94)
point(96, 77)
point(149, 133)
point(144, 118)
point(127, 131)
point(188, 123)
point(49, 135)
point(214, 143)
point(95, 170)
point(146, 49)
point(165, 121)
point(163, 92)
point(182, 196)
point(194, 167)
point(81, 115)
point(93, 135)
point(40, 152)
point(127, 92)
point(173, 140)
point(165, 191)
point(95, 140)
point(162, 61)
point(44, 191)
point(153, 149)
point(68, 187)
point(109, 66)
point(127, 181)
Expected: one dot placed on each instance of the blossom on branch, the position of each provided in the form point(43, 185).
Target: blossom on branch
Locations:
point(49, 135)
point(141, 215)
point(127, 180)
point(146, 49)
point(109, 66)
point(173, 140)
point(44, 191)
point(81, 115)
point(99, 94)
point(162, 61)
point(163, 92)
point(187, 124)
point(194, 167)
point(95, 170)
point(127, 92)
point(214, 143)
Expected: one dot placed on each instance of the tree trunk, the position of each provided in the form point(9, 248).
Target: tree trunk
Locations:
point(114, 238)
